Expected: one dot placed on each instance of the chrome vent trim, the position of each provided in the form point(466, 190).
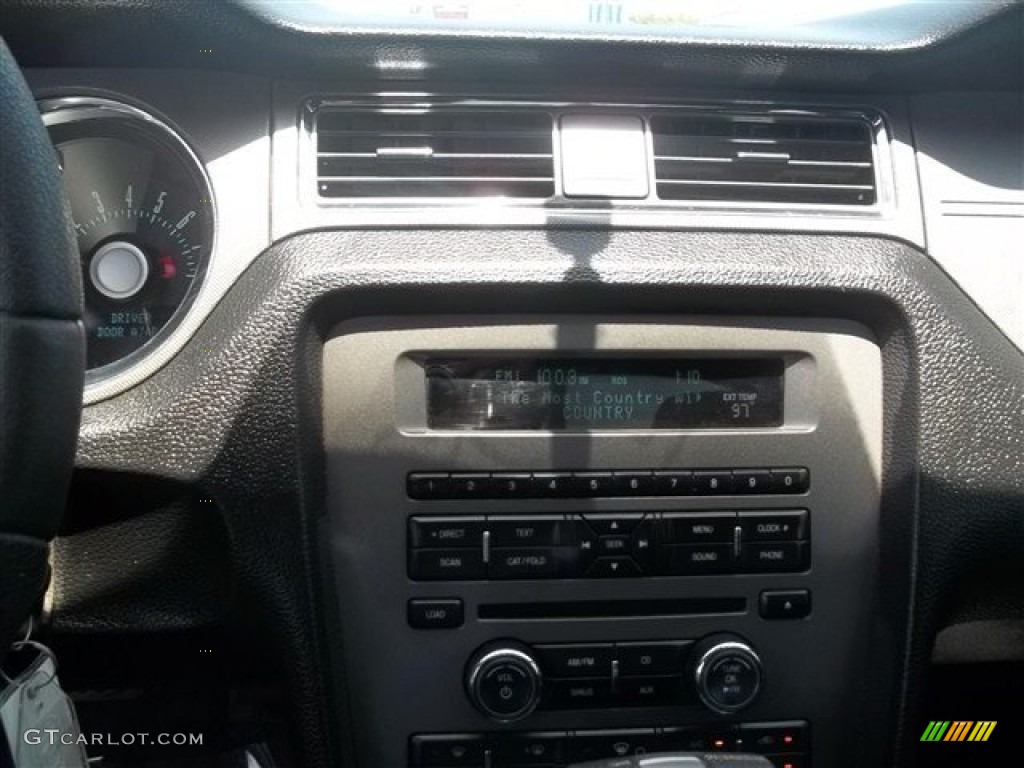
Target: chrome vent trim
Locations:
point(444, 152)
point(748, 157)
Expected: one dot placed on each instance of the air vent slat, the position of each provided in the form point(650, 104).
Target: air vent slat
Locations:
point(446, 153)
point(737, 158)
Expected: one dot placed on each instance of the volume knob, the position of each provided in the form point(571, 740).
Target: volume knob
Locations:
point(727, 673)
point(503, 681)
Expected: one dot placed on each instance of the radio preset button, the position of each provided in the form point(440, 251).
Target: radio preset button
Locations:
point(510, 485)
point(774, 525)
point(446, 564)
point(687, 528)
point(523, 531)
point(552, 485)
point(712, 483)
point(470, 485)
point(428, 485)
point(749, 481)
point(446, 531)
point(586, 484)
point(674, 483)
point(791, 480)
point(633, 483)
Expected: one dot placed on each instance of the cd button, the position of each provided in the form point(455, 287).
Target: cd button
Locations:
point(651, 658)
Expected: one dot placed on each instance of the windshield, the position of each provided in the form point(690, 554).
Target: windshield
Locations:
point(876, 22)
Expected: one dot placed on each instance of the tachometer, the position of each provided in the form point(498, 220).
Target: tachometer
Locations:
point(144, 216)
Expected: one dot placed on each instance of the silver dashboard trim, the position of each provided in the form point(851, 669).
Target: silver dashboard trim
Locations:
point(560, 210)
point(116, 377)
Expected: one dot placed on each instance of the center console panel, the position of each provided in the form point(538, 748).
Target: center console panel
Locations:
point(558, 540)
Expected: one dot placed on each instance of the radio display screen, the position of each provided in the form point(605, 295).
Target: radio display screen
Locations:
point(490, 393)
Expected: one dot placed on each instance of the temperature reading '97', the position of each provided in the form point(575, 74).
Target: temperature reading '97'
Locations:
point(741, 410)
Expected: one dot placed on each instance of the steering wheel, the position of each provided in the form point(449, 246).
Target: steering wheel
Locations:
point(42, 350)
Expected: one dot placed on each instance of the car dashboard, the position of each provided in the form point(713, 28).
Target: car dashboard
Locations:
point(523, 399)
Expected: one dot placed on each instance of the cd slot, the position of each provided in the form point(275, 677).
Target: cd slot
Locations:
point(611, 609)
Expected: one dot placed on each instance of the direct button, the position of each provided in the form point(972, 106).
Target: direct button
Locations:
point(512, 531)
point(446, 531)
point(435, 614)
point(592, 660)
point(779, 525)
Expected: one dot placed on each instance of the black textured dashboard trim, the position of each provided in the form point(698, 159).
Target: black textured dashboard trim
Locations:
point(237, 412)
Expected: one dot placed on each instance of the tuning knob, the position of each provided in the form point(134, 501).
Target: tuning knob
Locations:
point(727, 673)
point(503, 681)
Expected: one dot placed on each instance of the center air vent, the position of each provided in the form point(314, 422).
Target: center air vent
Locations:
point(738, 158)
point(416, 153)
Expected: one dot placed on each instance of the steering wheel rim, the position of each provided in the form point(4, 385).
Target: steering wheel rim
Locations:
point(42, 349)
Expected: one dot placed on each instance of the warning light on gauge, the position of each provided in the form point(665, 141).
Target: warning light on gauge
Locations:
point(168, 270)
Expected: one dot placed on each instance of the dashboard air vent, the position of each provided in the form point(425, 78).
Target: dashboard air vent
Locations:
point(416, 153)
point(741, 158)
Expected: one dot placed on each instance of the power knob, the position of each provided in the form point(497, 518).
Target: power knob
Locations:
point(503, 681)
point(727, 673)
